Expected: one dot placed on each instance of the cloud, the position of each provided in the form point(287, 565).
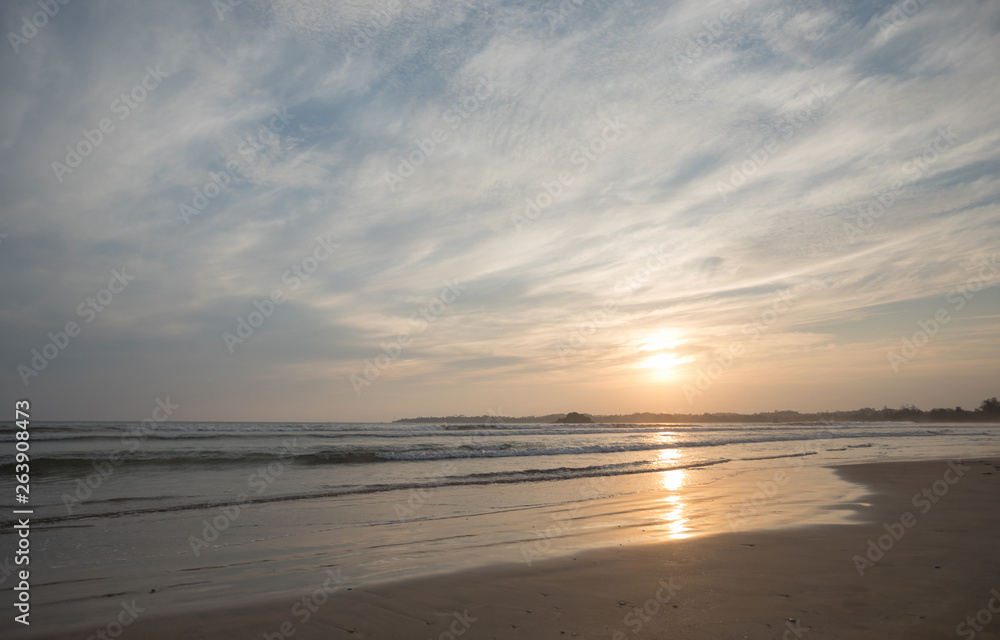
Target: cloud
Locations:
point(810, 113)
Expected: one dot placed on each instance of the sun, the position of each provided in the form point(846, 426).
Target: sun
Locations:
point(661, 341)
point(663, 362)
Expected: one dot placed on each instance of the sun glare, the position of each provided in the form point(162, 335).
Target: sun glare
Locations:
point(664, 364)
point(661, 341)
point(663, 361)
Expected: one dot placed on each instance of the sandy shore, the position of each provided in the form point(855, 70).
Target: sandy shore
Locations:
point(938, 524)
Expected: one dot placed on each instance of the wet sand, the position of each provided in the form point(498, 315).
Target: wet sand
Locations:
point(938, 524)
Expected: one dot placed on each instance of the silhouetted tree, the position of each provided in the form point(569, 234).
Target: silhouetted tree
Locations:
point(991, 407)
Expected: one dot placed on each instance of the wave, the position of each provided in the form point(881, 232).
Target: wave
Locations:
point(488, 478)
point(203, 432)
point(313, 454)
point(499, 477)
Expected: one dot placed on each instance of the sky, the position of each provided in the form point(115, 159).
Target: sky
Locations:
point(362, 211)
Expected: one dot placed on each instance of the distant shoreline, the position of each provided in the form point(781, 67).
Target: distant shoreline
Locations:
point(989, 411)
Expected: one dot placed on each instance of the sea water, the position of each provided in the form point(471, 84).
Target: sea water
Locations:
point(209, 514)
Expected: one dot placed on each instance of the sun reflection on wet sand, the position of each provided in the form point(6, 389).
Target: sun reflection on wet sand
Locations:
point(672, 481)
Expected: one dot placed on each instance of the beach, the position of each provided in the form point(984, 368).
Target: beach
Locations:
point(901, 549)
point(477, 320)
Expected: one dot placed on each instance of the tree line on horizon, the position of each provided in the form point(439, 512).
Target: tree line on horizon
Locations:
point(988, 411)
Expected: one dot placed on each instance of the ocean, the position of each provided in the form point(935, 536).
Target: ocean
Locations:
point(182, 515)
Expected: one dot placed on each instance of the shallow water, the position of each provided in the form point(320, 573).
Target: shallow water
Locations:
point(217, 514)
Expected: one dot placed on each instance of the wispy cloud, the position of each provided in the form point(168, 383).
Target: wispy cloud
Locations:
point(700, 89)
